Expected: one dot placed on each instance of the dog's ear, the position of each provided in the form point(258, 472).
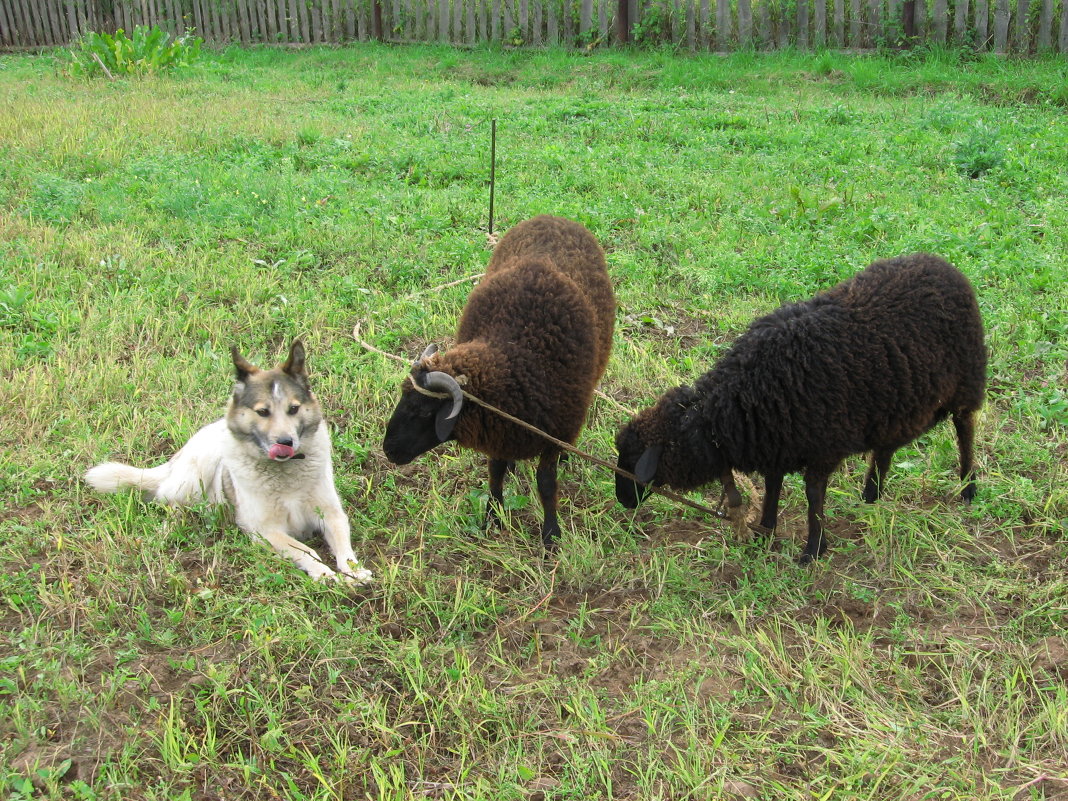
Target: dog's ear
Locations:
point(242, 367)
point(295, 366)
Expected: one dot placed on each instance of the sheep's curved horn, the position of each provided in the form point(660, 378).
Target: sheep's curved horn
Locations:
point(438, 381)
point(430, 350)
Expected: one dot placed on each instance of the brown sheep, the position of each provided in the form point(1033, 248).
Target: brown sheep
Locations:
point(533, 340)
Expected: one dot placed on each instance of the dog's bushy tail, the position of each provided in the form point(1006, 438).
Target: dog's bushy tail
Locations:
point(114, 476)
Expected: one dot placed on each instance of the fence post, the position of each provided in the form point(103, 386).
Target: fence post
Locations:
point(622, 22)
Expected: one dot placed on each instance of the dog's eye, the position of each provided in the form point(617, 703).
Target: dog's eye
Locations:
point(264, 412)
point(294, 409)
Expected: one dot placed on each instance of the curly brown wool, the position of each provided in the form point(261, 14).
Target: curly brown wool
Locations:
point(868, 365)
point(533, 340)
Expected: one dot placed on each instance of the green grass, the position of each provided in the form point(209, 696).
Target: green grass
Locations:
point(147, 225)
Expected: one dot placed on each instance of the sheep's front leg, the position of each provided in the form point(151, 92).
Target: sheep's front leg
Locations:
point(498, 469)
point(815, 492)
point(547, 491)
point(769, 513)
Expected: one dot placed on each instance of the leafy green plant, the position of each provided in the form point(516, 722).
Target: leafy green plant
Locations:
point(146, 51)
point(654, 26)
point(979, 152)
point(34, 327)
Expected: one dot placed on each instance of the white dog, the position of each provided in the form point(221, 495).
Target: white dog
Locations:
point(269, 458)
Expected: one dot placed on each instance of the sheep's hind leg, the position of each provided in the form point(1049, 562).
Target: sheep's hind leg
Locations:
point(498, 469)
point(873, 483)
point(815, 492)
point(547, 491)
point(964, 423)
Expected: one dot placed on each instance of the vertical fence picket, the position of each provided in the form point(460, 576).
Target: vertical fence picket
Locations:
point(745, 23)
point(1001, 26)
point(723, 24)
point(604, 21)
point(919, 19)
point(854, 24)
point(1044, 36)
point(552, 24)
point(48, 25)
point(1020, 37)
point(939, 20)
point(982, 24)
point(819, 23)
point(7, 27)
point(1062, 37)
point(838, 25)
point(960, 23)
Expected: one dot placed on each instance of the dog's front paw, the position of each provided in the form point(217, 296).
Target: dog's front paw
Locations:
point(351, 572)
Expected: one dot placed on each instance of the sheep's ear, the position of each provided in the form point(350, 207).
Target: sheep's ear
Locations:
point(645, 469)
point(444, 424)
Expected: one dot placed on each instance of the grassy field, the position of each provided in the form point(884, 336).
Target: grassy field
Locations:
point(146, 226)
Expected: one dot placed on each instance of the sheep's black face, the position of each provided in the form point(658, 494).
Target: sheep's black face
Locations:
point(635, 457)
point(411, 429)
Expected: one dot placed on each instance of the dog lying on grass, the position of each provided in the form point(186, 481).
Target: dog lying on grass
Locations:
point(269, 458)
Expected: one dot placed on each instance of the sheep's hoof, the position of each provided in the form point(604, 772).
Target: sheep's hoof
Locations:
point(806, 559)
point(968, 493)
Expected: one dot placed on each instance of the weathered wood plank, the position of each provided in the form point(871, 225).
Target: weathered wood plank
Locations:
point(802, 24)
point(552, 25)
point(939, 21)
point(960, 22)
point(838, 25)
point(723, 24)
point(1020, 39)
point(1001, 26)
point(1044, 36)
point(919, 19)
point(745, 22)
point(854, 24)
point(982, 24)
point(819, 23)
point(1062, 38)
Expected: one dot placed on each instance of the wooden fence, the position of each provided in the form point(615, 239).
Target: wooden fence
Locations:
point(1004, 26)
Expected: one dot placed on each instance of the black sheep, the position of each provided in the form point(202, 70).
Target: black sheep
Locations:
point(533, 340)
point(868, 365)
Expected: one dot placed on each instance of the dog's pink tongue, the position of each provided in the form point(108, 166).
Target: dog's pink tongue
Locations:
point(280, 452)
